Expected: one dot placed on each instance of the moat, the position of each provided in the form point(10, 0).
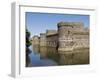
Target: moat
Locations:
point(68, 45)
point(49, 56)
point(54, 39)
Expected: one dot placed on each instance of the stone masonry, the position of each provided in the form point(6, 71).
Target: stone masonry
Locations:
point(69, 36)
point(72, 35)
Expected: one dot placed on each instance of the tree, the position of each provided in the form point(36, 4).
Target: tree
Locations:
point(28, 42)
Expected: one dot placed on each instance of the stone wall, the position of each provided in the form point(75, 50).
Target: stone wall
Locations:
point(52, 38)
point(42, 39)
point(72, 35)
point(69, 36)
point(35, 40)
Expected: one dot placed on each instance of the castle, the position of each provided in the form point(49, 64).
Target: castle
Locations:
point(69, 36)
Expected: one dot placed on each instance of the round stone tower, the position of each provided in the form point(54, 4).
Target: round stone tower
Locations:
point(65, 34)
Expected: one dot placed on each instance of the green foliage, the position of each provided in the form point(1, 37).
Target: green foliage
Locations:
point(28, 42)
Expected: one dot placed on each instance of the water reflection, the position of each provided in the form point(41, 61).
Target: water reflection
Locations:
point(53, 54)
point(35, 49)
point(39, 57)
point(49, 56)
point(43, 52)
point(28, 51)
point(74, 57)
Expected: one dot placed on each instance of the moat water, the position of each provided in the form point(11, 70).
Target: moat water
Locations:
point(38, 57)
point(49, 56)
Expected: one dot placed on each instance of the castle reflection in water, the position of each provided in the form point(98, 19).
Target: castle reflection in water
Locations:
point(68, 45)
point(49, 56)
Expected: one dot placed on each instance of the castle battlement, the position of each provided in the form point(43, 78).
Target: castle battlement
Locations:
point(70, 24)
point(69, 36)
point(51, 32)
point(72, 35)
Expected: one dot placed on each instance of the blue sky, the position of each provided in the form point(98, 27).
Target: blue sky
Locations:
point(38, 23)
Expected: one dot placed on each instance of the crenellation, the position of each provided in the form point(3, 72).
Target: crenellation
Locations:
point(72, 35)
point(71, 24)
point(51, 32)
point(69, 36)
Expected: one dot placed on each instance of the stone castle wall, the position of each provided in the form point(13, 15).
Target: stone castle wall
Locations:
point(42, 39)
point(35, 40)
point(72, 35)
point(52, 38)
point(69, 36)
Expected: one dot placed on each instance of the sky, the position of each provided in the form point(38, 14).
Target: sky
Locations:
point(38, 23)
